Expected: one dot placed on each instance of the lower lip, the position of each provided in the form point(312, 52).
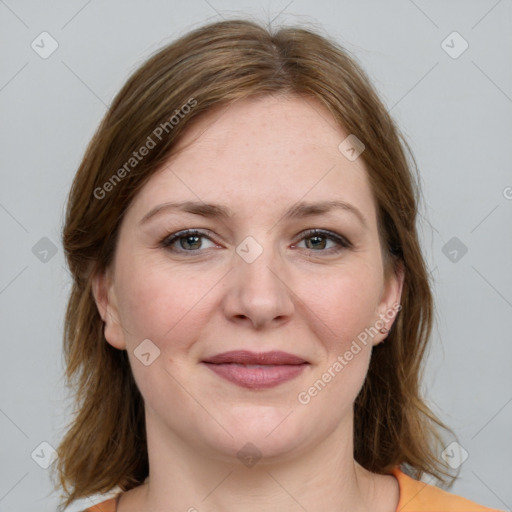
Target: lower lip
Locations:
point(254, 378)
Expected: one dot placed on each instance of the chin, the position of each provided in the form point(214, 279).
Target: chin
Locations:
point(269, 434)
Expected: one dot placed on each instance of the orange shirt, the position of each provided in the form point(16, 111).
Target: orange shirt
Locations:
point(415, 496)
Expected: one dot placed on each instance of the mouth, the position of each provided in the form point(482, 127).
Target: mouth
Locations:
point(256, 370)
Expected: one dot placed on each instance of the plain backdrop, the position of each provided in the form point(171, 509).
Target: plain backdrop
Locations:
point(451, 95)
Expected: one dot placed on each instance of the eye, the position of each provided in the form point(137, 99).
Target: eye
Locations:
point(190, 240)
point(316, 240)
point(319, 238)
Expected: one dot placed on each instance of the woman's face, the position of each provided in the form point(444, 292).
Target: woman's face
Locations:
point(251, 280)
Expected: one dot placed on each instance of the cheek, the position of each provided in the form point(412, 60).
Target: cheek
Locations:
point(346, 304)
point(161, 303)
point(344, 317)
point(166, 307)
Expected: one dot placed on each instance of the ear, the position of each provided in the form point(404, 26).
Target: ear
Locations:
point(105, 297)
point(389, 304)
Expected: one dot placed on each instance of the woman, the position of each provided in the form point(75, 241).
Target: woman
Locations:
point(250, 307)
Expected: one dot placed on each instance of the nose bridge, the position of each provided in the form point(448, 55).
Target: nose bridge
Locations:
point(258, 289)
point(257, 266)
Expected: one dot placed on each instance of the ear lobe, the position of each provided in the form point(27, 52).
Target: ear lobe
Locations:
point(104, 296)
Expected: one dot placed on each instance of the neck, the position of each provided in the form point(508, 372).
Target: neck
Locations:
point(321, 477)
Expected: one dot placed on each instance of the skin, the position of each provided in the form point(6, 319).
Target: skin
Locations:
point(258, 157)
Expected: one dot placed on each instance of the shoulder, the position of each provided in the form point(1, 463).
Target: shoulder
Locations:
point(416, 496)
point(105, 506)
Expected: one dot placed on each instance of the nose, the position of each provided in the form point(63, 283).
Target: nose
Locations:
point(257, 292)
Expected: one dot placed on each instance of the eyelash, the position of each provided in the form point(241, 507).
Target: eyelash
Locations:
point(343, 243)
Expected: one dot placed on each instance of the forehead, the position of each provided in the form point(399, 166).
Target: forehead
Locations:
point(261, 152)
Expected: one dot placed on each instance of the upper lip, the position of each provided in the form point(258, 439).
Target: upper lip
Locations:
point(276, 357)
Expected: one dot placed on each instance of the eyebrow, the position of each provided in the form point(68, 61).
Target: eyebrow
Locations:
point(297, 211)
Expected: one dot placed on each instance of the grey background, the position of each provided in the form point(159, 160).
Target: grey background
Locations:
point(455, 112)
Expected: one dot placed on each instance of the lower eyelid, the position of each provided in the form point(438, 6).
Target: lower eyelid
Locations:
point(340, 241)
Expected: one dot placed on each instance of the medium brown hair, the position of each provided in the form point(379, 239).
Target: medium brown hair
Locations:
point(210, 67)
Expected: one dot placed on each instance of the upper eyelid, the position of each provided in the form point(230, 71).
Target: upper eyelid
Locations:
point(323, 232)
point(307, 233)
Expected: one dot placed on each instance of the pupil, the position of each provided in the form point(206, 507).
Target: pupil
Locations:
point(318, 238)
point(187, 240)
point(193, 242)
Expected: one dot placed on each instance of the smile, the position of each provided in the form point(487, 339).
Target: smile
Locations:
point(256, 376)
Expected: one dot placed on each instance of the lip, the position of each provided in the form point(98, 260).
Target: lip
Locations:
point(274, 357)
point(256, 370)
